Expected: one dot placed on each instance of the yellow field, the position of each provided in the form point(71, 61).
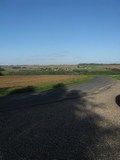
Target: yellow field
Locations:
point(22, 81)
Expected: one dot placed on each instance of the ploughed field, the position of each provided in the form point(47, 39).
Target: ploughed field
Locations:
point(23, 81)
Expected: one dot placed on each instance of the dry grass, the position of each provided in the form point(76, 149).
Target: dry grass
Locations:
point(23, 81)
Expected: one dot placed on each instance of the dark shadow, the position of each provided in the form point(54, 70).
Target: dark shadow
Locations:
point(117, 100)
point(22, 90)
point(29, 89)
point(6, 91)
point(22, 101)
point(1, 74)
point(54, 125)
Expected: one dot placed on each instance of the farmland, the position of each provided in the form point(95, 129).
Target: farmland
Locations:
point(86, 69)
point(10, 83)
point(22, 81)
point(46, 77)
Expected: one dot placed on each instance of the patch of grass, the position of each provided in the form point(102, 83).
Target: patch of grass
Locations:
point(3, 91)
point(85, 79)
point(42, 87)
point(59, 85)
point(98, 72)
point(116, 77)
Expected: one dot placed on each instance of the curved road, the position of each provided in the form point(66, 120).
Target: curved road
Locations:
point(94, 85)
point(54, 95)
point(54, 125)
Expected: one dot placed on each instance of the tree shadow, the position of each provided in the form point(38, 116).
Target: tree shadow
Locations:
point(27, 89)
point(21, 101)
point(6, 91)
point(54, 125)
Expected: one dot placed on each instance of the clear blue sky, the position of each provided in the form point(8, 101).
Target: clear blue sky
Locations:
point(59, 31)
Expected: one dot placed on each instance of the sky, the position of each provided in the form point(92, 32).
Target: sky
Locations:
point(44, 32)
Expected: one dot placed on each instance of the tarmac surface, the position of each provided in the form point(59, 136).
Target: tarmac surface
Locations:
point(56, 125)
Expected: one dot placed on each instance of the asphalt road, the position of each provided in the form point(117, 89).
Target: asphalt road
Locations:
point(94, 85)
point(53, 125)
point(54, 95)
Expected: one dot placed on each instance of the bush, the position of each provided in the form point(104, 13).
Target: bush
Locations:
point(1, 74)
point(2, 69)
point(59, 85)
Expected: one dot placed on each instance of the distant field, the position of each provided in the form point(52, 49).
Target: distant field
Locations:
point(9, 84)
point(21, 81)
point(80, 69)
point(38, 78)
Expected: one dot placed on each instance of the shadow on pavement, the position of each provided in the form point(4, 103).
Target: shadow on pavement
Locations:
point(59, 125)
point(22, 101)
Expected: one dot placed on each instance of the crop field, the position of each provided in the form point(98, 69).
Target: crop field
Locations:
point(22, 81)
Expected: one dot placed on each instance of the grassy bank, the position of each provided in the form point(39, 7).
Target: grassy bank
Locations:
point(116, 77)
point(41, 86)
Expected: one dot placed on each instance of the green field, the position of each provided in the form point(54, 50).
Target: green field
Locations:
point(81, 69)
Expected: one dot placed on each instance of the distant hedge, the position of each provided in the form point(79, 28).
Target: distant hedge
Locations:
point(50, 71)
point(40, 72)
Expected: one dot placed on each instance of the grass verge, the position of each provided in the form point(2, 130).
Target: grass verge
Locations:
point(116, 77)
point(42, 87)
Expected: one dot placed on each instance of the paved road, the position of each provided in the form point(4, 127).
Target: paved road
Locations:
point(19, 101)
point(55, 125)
point(94, 85)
